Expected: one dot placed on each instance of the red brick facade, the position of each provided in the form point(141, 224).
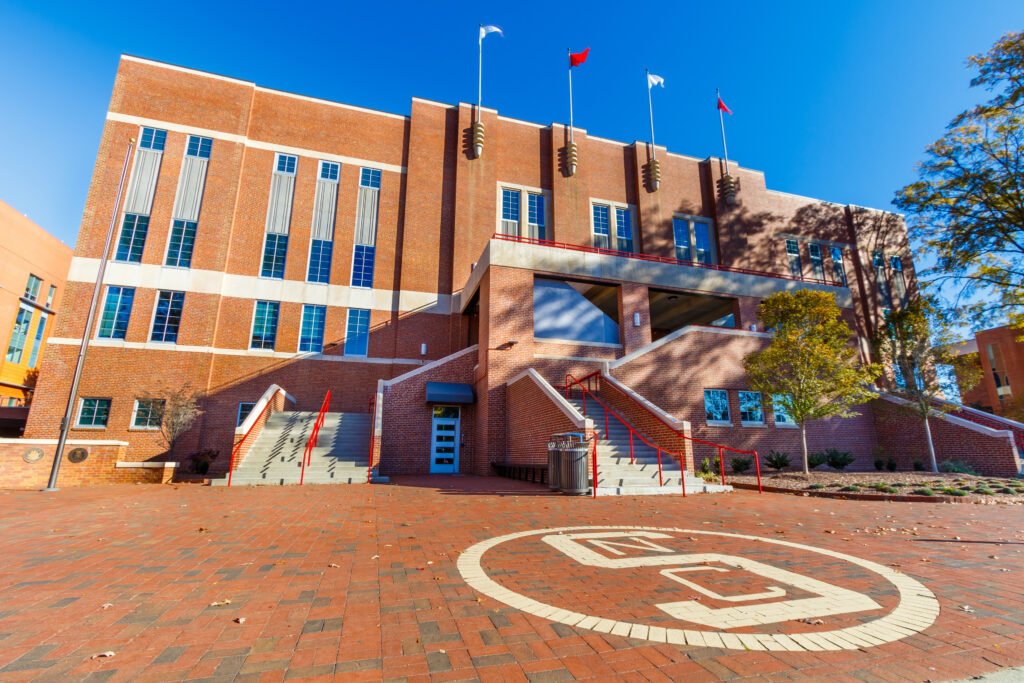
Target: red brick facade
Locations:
point(99, 466)
point(533, 416)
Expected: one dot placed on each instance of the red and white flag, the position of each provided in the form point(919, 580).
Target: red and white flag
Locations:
point(722, 107)
point(577, 58)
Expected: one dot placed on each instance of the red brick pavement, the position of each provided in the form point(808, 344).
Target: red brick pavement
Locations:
point(127, 569)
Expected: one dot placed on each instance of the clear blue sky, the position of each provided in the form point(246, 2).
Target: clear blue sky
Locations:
point(832, 100)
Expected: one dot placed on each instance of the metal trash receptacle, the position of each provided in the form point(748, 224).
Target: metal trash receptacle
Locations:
point(573, 470)
point(554, 463)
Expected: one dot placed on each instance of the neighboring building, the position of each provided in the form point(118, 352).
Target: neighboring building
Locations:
point(270, 239)
point(1000, 355)
point(33, 269)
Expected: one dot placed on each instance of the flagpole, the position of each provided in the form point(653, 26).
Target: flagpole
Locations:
point(650, 108)
point(480, 74)
point(721, 120)
point(568, 51)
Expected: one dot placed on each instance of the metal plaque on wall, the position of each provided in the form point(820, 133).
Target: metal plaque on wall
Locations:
point(78, 455)
point(33, 455)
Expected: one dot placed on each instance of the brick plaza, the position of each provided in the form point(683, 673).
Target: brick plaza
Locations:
point(362, 583)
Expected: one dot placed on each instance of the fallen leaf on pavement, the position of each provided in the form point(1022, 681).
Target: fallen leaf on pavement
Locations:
point(108, 653)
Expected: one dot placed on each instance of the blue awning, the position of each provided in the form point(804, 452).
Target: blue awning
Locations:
point(448, 392)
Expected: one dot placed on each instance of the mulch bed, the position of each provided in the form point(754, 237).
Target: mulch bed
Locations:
point(915, 486)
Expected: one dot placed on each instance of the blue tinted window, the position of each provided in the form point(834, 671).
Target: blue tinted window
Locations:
point(681, 228)
point(358, 332)
point(311, 336)
point(716, 405)
point(329, 170)
point(286, 163)
point(168, 316)
point(153, 138)
point(274, 252)
point(601, 227)
point(536, 214)
point(264, 325)
point(133, 238)
point(320, 261)
point(38, 341)
point(369, 177)
point(362, 266)
point(20, 335)
point(510, 205)
point(782, 415)
point(623, 230)
point(567, 310)
point(94, 412)
point(180, 244)
point(199, 147)
point(116, 311)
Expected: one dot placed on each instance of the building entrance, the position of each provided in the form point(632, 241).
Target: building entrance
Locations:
point(444, 440)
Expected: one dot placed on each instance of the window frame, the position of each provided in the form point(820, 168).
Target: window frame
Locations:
point(22, 308)
point(81, 407)
point(348, 327)
point(691, 229)
point(202, 142)
point(302, 328)
point(239, 420)
point(252, 325)
point(613, 233)
point(799, 259)
point(523, 223)
point(153, 140)
point(37, 342)
point(817, 264)
point(788, 424)
point(127, 323)
point(366, 248)
point(309, 262)
point(728, 410)
point(279, 156)
point(369, 175)
point(156, 308)
point(131, 244)
point(132, 425)
point(170, 237)
point(32, 287)
point(263, 255)
point(760, 408)
point(838, 265)
point(324, 164)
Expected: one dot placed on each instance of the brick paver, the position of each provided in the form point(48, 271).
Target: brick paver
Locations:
point(363, 583)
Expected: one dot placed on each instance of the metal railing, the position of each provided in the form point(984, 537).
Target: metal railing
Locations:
point(373, 431)
point(665, 259)
point(238, 446)
point(307, 454)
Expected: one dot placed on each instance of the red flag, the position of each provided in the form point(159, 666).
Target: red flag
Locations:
point(578, 58)
point(722, 107)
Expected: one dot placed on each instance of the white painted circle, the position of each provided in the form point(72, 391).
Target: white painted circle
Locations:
point(916, 611)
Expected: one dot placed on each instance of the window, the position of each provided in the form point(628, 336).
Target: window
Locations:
point(180, 244)
point(311, 335)
point(900, 282)
point(817, 265)
point(574, 311)
point(264, 325)
point(535, 219)
point(751, 411)
point(602, 236)
point(198, 147)
point(716, 406)
point(878, 261)
point(116, 311)
point(244, 408)
point(362, 266)
point(510, 212)
point(796, 268)
point(93, 412)
point(286, 164)
point(623, 230)
point(693, 239)
point(38, 343)
point(358, 332)
point(369, 177)
point(274, 251)
point(49, 297)
point(329, 170)
point(133, 238)
point(149, 413)
point(838, 269)
point(320, 261)
point(153, 138)
point(19, 335)
point(533, 223)
point(782, 416)
point(32, 288)
point(168, 316)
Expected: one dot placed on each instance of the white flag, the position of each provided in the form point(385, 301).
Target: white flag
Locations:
point(484, 30)
point(653, 80)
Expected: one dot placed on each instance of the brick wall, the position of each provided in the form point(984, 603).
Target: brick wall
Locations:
point(650, 426)
point(97, 468)
point(532, 418)
point(901, 435)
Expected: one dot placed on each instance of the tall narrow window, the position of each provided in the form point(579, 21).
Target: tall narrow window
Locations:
point(93, 412)
point(623, 230)
point(33, 358)
point(32, 287)
point(878, 261)
point(817, 264)
point(133, 238)
point(279, 216)
point(274, 252)
point(716, 406)
point(169, 306)
point(796, 268)
point(782, 416)
point(145, 172)
point(180, 244)
point(321, 247)
point(602, 234)
point(681, 229)
point(535, 220)
point(364, 251)
point(19, 335)
point(362, 266)
point(49, 297)
point(838, 268)
point(694, 240)
point(702, 241)
point(510, 212)
point(116, 311)
point(357, 335)
point(264, 325)
point(898, 280)
point(751, 411)
point(311, 335)
point(244, 408)
point(320, 252)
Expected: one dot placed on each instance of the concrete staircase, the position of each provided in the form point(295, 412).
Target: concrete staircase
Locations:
point(341, 455)
point(617, 476)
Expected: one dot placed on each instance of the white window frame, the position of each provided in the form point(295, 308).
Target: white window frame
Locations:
point(135, 411)
point(613, 236)
point(167, 245)
point(748, 423)
point(238, 413)
point(844, 281)
point(277, 161)
point(712, 241)
point(81, 406)
point(728, 408)
point(252, 327)
point(819, 273)
point(524, 208)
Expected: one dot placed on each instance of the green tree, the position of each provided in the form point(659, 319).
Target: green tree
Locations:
point(811, 367)
point(967, 207)
point(914, 342)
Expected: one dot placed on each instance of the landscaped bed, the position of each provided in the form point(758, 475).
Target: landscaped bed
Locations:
point(948, 487)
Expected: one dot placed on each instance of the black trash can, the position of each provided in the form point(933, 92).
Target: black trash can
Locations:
point(573, 475)
point(554, 463)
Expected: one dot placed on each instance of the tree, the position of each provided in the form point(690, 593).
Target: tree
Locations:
point(175, 412)
point(810, 368)
point(914, 341)
point(967, 208)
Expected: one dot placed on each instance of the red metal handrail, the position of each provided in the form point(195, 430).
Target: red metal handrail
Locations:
point(311, 442)
point(373, 430)
point(238, 446)
point(664, 259)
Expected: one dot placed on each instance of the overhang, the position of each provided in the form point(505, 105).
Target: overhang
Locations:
point(449, 392)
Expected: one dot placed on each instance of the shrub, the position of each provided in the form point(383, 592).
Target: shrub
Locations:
point(924, 492)
point(981, 490)
point(838, 460)
point(852, 487)
point(741, 464)
point(879, 453)
point(201, 460)
point(957, 466)
point(879, 464)
point(890, 464)
point(950, 491)
point(776, 460)
point(918, 466)
point(816, 486)
point(815, 460)
point(1006, 489)
point(705, 472)
point(887, 489)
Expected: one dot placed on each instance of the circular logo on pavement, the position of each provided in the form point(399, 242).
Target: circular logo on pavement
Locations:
point(78, 455)
point(33, 455)
point(700, 588)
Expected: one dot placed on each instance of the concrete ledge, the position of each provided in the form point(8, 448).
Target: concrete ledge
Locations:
point(257, 409)
point(69, 442)
point(671, 420)
point(149, 464)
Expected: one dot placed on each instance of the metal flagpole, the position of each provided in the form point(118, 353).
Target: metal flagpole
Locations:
point(570, 93)
point(480, 74)
point(721, 120)
point(650, 107)
point(65, 423)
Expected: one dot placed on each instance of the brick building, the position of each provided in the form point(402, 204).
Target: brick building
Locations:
point(1000, 356)
point(272, 247)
